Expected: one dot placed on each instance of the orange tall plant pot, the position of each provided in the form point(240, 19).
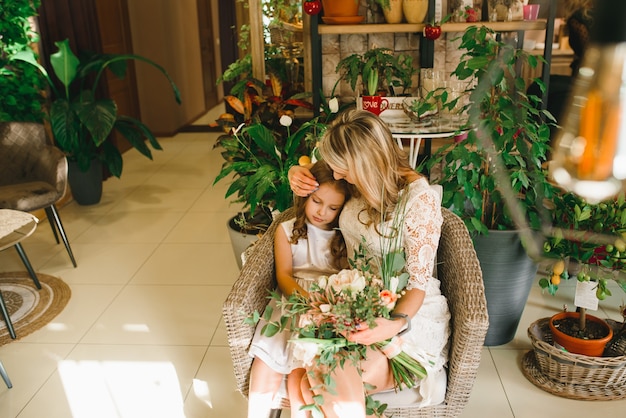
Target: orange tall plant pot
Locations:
point(575, 345)
point(340, 8)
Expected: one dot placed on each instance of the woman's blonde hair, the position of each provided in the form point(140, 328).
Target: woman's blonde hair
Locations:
point(361, 144)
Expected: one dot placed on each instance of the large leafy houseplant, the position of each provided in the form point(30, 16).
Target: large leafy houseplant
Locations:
point(495, 179)
point(508, 138)
point(81, 122)
point(259, 159)
point(258, 155)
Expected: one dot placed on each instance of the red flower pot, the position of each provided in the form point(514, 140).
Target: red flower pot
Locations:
point(340, 8)
point(574, 345)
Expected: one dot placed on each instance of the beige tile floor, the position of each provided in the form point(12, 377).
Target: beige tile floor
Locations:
point(142, 335)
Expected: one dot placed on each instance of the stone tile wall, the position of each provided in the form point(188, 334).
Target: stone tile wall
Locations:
point(337, 47)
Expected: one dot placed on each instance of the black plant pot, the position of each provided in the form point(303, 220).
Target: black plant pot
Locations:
point(508, 274)
point(86, 185)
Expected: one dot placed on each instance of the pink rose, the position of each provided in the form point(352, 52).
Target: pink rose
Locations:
point(388, 298)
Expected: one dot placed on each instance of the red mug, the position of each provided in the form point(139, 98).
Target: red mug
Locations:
point(375, 104)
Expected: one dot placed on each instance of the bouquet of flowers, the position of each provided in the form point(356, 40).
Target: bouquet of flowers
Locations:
point(340, 304)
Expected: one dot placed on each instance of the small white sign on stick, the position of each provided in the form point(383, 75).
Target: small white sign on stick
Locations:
point(585, 296)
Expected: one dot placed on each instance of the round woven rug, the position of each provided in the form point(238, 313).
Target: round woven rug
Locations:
point(30, 308)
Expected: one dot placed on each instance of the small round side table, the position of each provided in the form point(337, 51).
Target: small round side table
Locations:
point(16, 225)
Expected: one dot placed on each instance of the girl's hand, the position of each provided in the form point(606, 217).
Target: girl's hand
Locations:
point(384, 330)
point(302, 181)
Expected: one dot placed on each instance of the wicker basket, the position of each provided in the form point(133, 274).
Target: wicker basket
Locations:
point(573, 375)
point(284, 33)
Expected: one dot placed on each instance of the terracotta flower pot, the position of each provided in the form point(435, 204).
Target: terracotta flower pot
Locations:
point(340, 8)
point(575, 345)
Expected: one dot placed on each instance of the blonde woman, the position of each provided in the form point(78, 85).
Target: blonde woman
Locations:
point(359, 148)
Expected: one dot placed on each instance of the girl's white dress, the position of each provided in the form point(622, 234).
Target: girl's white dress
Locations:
point(311, 259)
point(428, 339)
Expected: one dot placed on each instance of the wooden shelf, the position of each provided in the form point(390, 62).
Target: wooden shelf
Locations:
point(516, 25)
point(427, 47)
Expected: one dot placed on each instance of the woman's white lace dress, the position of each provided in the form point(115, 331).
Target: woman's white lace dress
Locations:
point(428, 338)
point(311, 259)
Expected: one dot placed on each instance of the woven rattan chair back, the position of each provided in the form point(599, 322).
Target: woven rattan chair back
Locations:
point(461, 281)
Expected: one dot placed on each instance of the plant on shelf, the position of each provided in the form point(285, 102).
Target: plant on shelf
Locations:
point(380, 72)
point(504, 125)
point(586, 241)
point(81, 122)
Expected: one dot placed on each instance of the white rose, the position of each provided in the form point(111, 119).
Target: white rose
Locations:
point(347, 279)
point(325, 308)
point(304, 351)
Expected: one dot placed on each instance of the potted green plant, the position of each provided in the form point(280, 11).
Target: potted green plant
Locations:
point(587, 241)
point(81, 122)
point(382, 78)
point(380, 71)
point(257, 157)
point(504, 125)
point(501, 160)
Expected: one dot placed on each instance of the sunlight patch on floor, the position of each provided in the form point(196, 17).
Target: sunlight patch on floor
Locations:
point(121, 389)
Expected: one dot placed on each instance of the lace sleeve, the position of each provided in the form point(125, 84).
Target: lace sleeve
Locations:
point(422, 229)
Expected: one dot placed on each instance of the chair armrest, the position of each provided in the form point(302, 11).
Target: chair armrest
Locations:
point(51, 166)
point(249, 294)
point(461, 281)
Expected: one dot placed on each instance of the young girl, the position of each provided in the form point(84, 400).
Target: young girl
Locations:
point(305, 247)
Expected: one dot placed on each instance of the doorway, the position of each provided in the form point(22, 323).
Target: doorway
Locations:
point(207, 53)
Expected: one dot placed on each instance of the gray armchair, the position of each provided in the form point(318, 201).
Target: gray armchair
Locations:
point(33, 174)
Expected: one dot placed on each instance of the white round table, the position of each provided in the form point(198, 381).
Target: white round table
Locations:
point(408, 132)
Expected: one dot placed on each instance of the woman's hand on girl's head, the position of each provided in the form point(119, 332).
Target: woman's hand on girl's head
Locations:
point(302, 181)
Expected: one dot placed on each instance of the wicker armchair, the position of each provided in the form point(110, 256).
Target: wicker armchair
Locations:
point(461, 283)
